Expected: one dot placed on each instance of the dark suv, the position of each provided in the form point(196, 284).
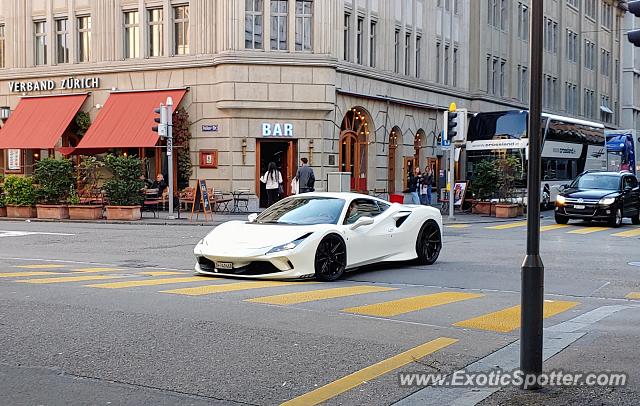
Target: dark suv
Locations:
point(604, 196)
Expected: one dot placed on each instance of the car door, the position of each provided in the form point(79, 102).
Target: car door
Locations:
point(365, 244)
point(631, 195)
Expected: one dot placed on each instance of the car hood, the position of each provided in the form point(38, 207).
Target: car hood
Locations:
point(241, 234)
point(588, 193)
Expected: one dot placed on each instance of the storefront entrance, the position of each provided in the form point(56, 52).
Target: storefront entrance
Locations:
point(285, 156)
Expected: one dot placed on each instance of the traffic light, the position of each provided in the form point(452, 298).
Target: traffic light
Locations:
point(634, 35)
point(161, 119)
point(452, 125)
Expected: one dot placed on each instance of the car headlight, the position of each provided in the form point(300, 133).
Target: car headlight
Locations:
point(607, 201)
point(560, 199)
point(288, 246)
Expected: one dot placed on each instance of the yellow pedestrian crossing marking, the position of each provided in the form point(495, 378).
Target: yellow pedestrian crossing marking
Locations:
point(24, 274)
point(633, 295)
point(631, 233)
point(553, 227)
point(588, 230)
point(508, 225)
point(96, 270)
point(458, 226)
point(229, 287)
point(507, 320)
point(161, 273)
point(41, 266)
point(64, 279)
point(411, 304)
point(311, 296)
point(148, 282)
point(369, 373)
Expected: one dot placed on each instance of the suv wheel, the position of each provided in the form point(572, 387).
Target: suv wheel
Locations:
point(560, 219)
point(616, 220)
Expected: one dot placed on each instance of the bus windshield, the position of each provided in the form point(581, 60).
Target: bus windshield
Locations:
point(506, 124)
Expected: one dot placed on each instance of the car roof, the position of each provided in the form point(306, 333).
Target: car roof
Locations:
point(348, 196)
point(603, 173)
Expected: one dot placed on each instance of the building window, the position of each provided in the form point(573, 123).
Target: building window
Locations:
point(279, 26)
point(396, 50)
point(571, 99)
point(359, 39)
point(304, 24)
point(40, 29)
point(523, 83)
point(3, 63)
point(607, 15)
point(493, 75)
point(438, 63)
point(574, 3)
point(605, 109)
point(156, 38)
point(131, 34)
point(572, 46)
point(589, 55)
point(523, 22)
point(605, 62)
point(503, 14)
point(455, 65)
point(181, 37)
point(84, 39)
point(62, 40)
point(590, 8)
point(446, 64)
point(589, 102)
point(346, 37)
point(418, 55)
point(617, 72)
point(372, 44)
point(253, 24)
point(503, 65)
point(407, 53)
point(550, 93)
point(492, 12)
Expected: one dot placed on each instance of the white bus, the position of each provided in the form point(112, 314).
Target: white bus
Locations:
point(571, 146)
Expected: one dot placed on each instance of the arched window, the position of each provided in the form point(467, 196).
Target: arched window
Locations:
point(391, 165)
point(354, 141)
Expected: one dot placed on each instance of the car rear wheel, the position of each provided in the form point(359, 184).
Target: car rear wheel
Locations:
point(429, 243)
point(331, 258)
point(616, 219)
point(560, 219)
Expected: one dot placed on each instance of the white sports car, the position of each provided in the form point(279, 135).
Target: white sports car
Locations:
point(320, 235)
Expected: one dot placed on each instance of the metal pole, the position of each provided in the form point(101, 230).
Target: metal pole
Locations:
point(532, 295)
point(170, 153)
point(452, 179)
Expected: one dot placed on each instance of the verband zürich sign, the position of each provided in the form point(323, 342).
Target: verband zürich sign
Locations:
point(70, 83)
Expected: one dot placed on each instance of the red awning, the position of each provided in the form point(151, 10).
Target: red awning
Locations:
point(126, 119)
point(39, 122)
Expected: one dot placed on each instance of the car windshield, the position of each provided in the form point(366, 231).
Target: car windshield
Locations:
point(303, 211)
point(603, 182)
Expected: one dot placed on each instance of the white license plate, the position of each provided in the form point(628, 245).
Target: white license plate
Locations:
point(579, 207)
point(224, 265)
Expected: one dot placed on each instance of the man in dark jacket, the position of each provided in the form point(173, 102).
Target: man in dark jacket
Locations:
point(306, 178)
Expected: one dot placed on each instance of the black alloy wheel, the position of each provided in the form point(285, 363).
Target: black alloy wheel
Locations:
point(616, 219)
point(331, 258)
point(560, 219)
point(635, 220)
point(429, 243)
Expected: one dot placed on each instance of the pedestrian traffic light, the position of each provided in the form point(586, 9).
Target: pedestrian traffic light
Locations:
point(161, 119)
point(634, 35)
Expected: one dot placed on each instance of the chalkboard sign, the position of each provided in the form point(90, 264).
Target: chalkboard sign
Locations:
point(201, 200)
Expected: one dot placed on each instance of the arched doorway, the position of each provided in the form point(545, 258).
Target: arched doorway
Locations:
point(354, 141)
point(391, 165)
point(418, 141)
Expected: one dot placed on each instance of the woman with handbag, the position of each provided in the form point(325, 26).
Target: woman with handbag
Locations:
point(272, 179)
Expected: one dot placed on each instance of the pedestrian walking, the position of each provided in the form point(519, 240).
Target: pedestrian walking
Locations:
point(272, 179)
point(426, 183)
point(305, 177)
point(412, 186)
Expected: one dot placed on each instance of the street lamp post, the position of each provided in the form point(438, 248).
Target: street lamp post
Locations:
point(170, 153)
point(532, 295)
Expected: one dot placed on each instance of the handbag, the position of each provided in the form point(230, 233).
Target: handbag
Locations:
point(280, 189)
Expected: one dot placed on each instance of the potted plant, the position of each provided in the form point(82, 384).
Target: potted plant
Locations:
point(88, 180)
point(53, 178)
point(125, 190)
point(509, 170)
point(19, 197)
point(3, 208)
point(484, 186)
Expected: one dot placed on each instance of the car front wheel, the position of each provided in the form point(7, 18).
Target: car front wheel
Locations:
point(429, 243)
point(331, 258)
point(560, 219)
point(616, 219)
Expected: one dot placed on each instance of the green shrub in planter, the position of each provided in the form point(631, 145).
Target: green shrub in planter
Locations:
point(53, 178)
point(19, 191)
point(486, 179)
point(126, 187)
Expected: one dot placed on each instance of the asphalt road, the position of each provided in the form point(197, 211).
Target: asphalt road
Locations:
point(111, 314)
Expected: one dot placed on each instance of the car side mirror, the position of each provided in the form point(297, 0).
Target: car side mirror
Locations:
point(252, 217)
point(362, 221)
point(562, 187)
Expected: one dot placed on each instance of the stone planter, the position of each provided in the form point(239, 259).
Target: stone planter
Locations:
point(507, 210)
point(126, 213)
point(3, 211)
point(85, 212)
point(22, 212)
point(52, 211)
point(482, 208)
